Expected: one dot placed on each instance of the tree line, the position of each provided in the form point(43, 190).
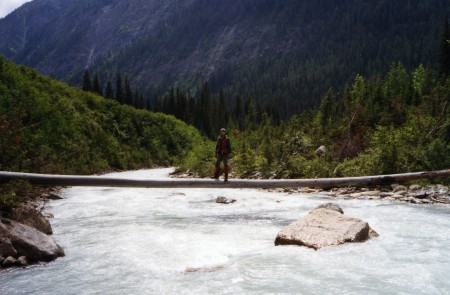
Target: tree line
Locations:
point(399, 122)
point(205, 110)
point(122, 92)
point(211, 106)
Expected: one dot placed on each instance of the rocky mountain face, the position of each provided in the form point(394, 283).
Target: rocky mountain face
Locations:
point(61, 36)
point(268, 49)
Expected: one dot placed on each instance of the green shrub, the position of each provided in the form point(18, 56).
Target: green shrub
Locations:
point(11, 193)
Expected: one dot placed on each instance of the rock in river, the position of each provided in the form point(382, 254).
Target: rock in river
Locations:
point(323, 227)
point(224, 200)
point(29, 242)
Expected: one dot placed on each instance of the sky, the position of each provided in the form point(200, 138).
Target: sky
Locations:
point(7, 6)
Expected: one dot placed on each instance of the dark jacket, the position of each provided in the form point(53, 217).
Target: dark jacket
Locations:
point(223, 146)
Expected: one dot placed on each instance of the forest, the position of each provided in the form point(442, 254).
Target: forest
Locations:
point(396, 123)
point(380, 124)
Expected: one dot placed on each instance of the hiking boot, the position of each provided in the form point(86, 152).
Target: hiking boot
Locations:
point(216, 172)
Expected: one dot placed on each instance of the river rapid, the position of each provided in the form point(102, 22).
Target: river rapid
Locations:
point(179, 241)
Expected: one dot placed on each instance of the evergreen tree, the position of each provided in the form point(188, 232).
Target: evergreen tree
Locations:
point(239, 113)
point(96, 88)
point(87, 85)
point(205, 110)
point(120, 96)
point(109, 92)
point(170, 103)
point(148, 104)
point(181, 106)
point(250, 114)
point(419, 81)
point(398, 91)
point(222, 110)
point(128, 92)
point(326, 109)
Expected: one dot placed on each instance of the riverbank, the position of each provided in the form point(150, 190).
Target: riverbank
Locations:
point(26, 231)
point(414, 193)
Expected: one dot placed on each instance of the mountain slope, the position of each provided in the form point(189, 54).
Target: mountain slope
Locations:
point(48, 127)
point(287, 52)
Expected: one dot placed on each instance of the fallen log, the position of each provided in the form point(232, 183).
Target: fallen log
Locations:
point(108, 181)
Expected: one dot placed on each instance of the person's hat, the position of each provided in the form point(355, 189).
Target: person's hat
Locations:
point(223, 129)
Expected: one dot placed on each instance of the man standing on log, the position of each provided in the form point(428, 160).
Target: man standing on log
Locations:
point(223, 150)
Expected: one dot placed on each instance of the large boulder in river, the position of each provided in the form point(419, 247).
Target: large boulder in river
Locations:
point(29, 242)
point(28, 215)
point(324, 227)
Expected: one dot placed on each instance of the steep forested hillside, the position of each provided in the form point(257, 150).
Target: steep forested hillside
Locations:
point(49, 127)
point(287, 53)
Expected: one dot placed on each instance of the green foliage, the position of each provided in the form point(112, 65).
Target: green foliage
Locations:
point(399, 123)
point(12, 192)
point(49, 127)
point(200, 159)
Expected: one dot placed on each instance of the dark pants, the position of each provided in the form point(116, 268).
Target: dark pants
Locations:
point(221, 158)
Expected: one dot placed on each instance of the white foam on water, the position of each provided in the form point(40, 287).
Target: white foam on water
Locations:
point(179, 241)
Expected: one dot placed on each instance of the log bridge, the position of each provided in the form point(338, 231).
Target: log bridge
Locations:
point(108, 181)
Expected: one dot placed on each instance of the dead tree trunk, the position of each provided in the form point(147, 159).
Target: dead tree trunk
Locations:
point(106, 181)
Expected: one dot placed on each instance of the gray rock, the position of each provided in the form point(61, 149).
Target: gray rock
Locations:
point(28, 215)
point(6, 248)
point(386, 194)
point(399, 188)
point(224, 200)
point(422, 194)
point(9, 261)
point(22, 261)
point(323, 228)
point(415, 187)
point(322, 150)
point(30, 242)
point(331, 206)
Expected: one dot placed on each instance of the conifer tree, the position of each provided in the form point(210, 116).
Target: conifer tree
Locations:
point(326, 109)
point(170, 103)
point(222, 110)
point(87, 85)
point(239, 113)
point(250, 114)
point(205, 110)
point(96, 86)
point(109, 92)
point(181, 105)
point(128, 92)
point(119, 90)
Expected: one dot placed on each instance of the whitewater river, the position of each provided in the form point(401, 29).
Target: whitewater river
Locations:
point(179, 241)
